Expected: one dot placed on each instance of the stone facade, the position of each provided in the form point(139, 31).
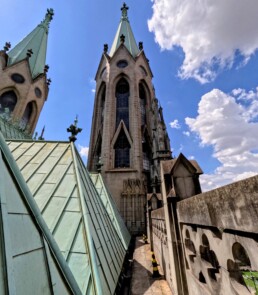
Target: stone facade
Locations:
point(209, 240)
point(137, 124)
point(31, 92)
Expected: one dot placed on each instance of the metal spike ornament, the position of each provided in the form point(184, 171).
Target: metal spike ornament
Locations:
point(74, 130)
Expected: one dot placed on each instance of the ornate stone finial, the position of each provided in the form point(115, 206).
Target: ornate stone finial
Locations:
point(141, 45)
point(7, 46)
point(42, 134)
point(29, 53)
point(124, 9)
point(74, 130)
point(49, 81)
point(46, 68)
point(49, 14)
point(122, 38)
point(99, 165)
point(105, 48)
point(48, 18)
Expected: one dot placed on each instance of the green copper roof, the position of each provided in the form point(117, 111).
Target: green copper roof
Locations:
point(73, 211)
point(12, 131)
point(30, 260)
point(111, 208)
point(35, 41)
point(124, 29)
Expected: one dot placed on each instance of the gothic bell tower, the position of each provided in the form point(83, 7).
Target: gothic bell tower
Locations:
point(23, 82)
point(128, 133)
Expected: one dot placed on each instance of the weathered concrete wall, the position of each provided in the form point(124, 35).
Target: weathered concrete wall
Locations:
point(160, 245)
point(219, 233)
point(233, 206)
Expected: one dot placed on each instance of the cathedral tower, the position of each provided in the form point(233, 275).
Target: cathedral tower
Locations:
point(128, 135)
point(24, 84)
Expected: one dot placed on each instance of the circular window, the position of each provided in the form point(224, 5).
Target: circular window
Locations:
point(38, 92)
point(18, 78)
point(122, 63)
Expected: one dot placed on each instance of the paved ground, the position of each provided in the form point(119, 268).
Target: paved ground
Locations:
point(142, 281)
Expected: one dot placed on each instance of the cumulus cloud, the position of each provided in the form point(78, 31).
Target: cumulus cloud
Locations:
point(211, 33)
point(175, 124)
point(84, 150)
point(228, 123)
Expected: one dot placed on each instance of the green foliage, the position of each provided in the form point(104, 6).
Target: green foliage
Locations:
point(251, 279)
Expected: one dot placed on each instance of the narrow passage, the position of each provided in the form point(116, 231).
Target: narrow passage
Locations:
point(142, 282)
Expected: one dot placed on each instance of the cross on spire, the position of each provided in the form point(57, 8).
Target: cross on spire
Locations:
point(124, 9)
point(74, 130)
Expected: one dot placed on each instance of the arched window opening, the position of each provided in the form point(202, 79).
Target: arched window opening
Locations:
point(202, 278)
point(8, 101)
point(147, 153)
point(26, 115)
point(190, 246)
point(102, 104)
point(240, 255)
point(205, 249)
point(234, 272)
point(122, 102)
point(142, 96)
point(122, 151)
point(209, 256)
point(97, 153)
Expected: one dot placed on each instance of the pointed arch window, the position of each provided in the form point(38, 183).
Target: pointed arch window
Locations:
point(102, 104)
point(142, 96)
point(122, 102)
point(26, 115)
point(122, 151)
point(8, 101)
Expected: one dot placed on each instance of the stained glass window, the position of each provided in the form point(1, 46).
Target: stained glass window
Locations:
point(122, 102)
point(122, 151)
point(8, 101)
point(142, 96)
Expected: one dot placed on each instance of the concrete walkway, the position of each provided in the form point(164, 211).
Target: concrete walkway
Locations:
point(142, 282)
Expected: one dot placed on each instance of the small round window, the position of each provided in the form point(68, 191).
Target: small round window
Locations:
point(38, 92)
point(18, 78)
point(122, 63)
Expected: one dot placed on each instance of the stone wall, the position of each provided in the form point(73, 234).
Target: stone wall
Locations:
point(160, 241)
point(219, 231)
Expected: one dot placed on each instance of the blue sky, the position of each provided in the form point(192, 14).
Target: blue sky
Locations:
point(205, 64)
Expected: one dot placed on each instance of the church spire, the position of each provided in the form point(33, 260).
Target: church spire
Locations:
point(36, 44)
point(124, 29)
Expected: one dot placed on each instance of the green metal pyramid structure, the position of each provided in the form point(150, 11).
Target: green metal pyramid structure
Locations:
point(35, 41)
point(86, 231)
point(124, 29)
point(30, 260)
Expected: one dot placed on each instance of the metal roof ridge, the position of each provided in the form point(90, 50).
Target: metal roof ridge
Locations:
point(110, 199)
point(93, 262)
point(64, 268)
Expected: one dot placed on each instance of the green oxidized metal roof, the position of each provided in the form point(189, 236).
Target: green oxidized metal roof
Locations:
point(12, 131)
point(111, 208)
point(124, 28)
point(30, 260)
point(73, 211)
point(37, 41)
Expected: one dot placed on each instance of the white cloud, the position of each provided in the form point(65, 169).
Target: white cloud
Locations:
point(83, 151)
point(93, 90)
point(230, 126)
point(186, 133)
point(175, 124)
point(210, 33)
